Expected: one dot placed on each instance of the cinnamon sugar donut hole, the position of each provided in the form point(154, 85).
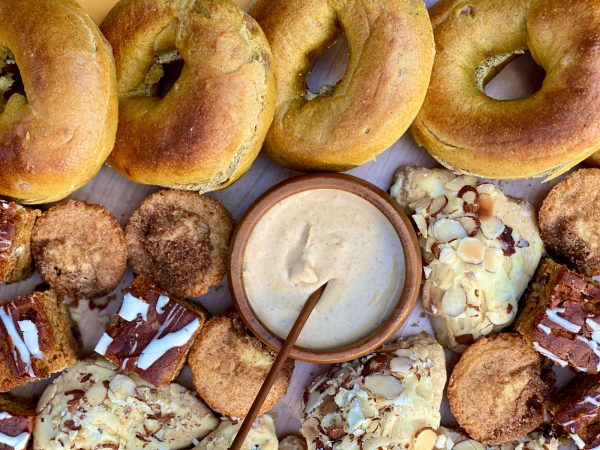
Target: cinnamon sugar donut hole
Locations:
point(79, 249)
point(180, 240)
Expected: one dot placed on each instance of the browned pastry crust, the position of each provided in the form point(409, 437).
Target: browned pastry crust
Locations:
point(16, 223)
point(79, 249)
point(577, 410)
point(56, 137)
point(209, 127)
point(180, 240)
point(546, 133)
point(570, 220)
point(129, 338)
point(229, 366)
point(56, 339)
point(391, 52)
point(498, 389)
point(561, 317)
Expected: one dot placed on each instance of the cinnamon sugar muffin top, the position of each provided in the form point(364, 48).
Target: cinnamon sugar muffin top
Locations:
point(180, 240)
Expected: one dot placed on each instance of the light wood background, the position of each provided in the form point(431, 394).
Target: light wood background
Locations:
point(122, 197)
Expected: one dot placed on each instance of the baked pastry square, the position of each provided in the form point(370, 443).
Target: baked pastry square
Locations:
point(561, 317)
point(37, 339)
point(16, 422)
point(16, 223)
point(577, 410)
point(389, 399)
point(152, 333)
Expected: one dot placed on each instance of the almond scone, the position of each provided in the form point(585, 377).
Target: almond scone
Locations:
point(449, 439)
point(389, 399)
point(261, 436)
point(93, 405)
point(480, 248)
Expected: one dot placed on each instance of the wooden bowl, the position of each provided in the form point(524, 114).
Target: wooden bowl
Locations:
point(369, 192)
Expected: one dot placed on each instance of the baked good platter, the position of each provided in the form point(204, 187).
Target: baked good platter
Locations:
point(122, 197)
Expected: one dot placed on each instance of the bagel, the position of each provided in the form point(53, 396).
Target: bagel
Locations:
point(391, 54)
point(59, 102)
point(206, 131)
point(544, 134)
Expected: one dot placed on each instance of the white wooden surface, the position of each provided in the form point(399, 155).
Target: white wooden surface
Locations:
point(122, 197)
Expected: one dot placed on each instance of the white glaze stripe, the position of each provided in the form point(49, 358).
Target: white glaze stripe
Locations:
point(549, 354)
point(131, 307)
point(544, 328)
point(591, 400)
point(561, 321)
point(160, 345)
point(578, 441)
point(161, 303)
point(18, 442)
point(4, 415)
point(31, 338)
point(103, 344)
point(18, 343)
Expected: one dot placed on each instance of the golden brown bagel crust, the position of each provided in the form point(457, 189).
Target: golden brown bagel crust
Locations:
point(391, 55)
point(208, 129)
point(56, 139)
point(543, 134)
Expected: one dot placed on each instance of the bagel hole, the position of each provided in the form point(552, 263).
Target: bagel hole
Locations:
point(163, 74)
point(11, 82)
point(517, 77)
point(328, 69)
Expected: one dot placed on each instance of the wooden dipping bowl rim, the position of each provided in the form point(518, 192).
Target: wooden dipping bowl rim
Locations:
point(392, 211)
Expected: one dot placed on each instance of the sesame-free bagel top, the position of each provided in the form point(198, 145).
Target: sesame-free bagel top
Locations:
point(543, 134)
point(207, 129)
point(391, 53)
point(56, 129)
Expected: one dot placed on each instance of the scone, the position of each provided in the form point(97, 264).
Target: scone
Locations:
point(93, 406)
point(570, 220)
point(16, 422)
point(577, 411)
point(36, 339)
point(480, 248)
point(449, 439)
point(389, 399)
point(79, 249)
point(293, 442)
point(498, 389)
point(152, 333)
point(261, 436)
point(229, 366)
point(16, 223)
point(180, 240)
point(561, 317)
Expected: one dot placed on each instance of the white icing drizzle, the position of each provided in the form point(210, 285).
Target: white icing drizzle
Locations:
point(158, 346)
point(18, 442)
point(549, 354)
point(561, 321)
point(578, 441)
point(20, 347)
point(31, 338)
point(131, 307)
point(594, 346)
point(161, 303)
point(591, 400)
point(597, 447)
point(544, 328)
point(103, 344)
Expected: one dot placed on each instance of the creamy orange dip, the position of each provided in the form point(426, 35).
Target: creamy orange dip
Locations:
point(319, 236)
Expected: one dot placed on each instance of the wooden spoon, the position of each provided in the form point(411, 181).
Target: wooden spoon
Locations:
point(282, 357)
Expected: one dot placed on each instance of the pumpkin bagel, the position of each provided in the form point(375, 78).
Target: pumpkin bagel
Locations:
point(391, 54)
point(58, 99)
point(544, 134)
point(206, 130)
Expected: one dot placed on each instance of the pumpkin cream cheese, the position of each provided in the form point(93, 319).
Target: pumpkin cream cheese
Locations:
point(480, 249)
point(324, 236)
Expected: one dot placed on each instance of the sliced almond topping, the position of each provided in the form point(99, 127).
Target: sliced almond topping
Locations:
point(455, 184)
point(469, 444)
point(471, 224)
point(424, 439)
point(437, 205)
point(492, 228)
point(454, 301)
point(385, 386)
point(421, 205)
point(401, 365)
point(446, 230)
point(471, 250)
point(469, 194)
point(486, 188)
point(486, 206)
point(493, 260)
point(122, 386)
point(497, 317)
point(506, 241)
point(421, 224)
point(96, 394)
point(436, 249)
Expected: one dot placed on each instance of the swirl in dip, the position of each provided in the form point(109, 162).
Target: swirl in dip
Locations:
point(319, 236)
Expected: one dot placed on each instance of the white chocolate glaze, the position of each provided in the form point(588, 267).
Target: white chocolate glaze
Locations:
point(132, 307)
point(158, 346)
point(31, 338)
point(553, 315)
point(319, 236)
point(18, 442)
point(103, 344)
point(20, 352)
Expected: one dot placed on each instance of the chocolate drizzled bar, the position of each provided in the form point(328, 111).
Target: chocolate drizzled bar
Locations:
point(152, 333)
point(16, 423)
point(561, 317)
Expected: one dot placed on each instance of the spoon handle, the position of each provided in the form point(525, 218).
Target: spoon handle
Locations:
point(282, 357)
